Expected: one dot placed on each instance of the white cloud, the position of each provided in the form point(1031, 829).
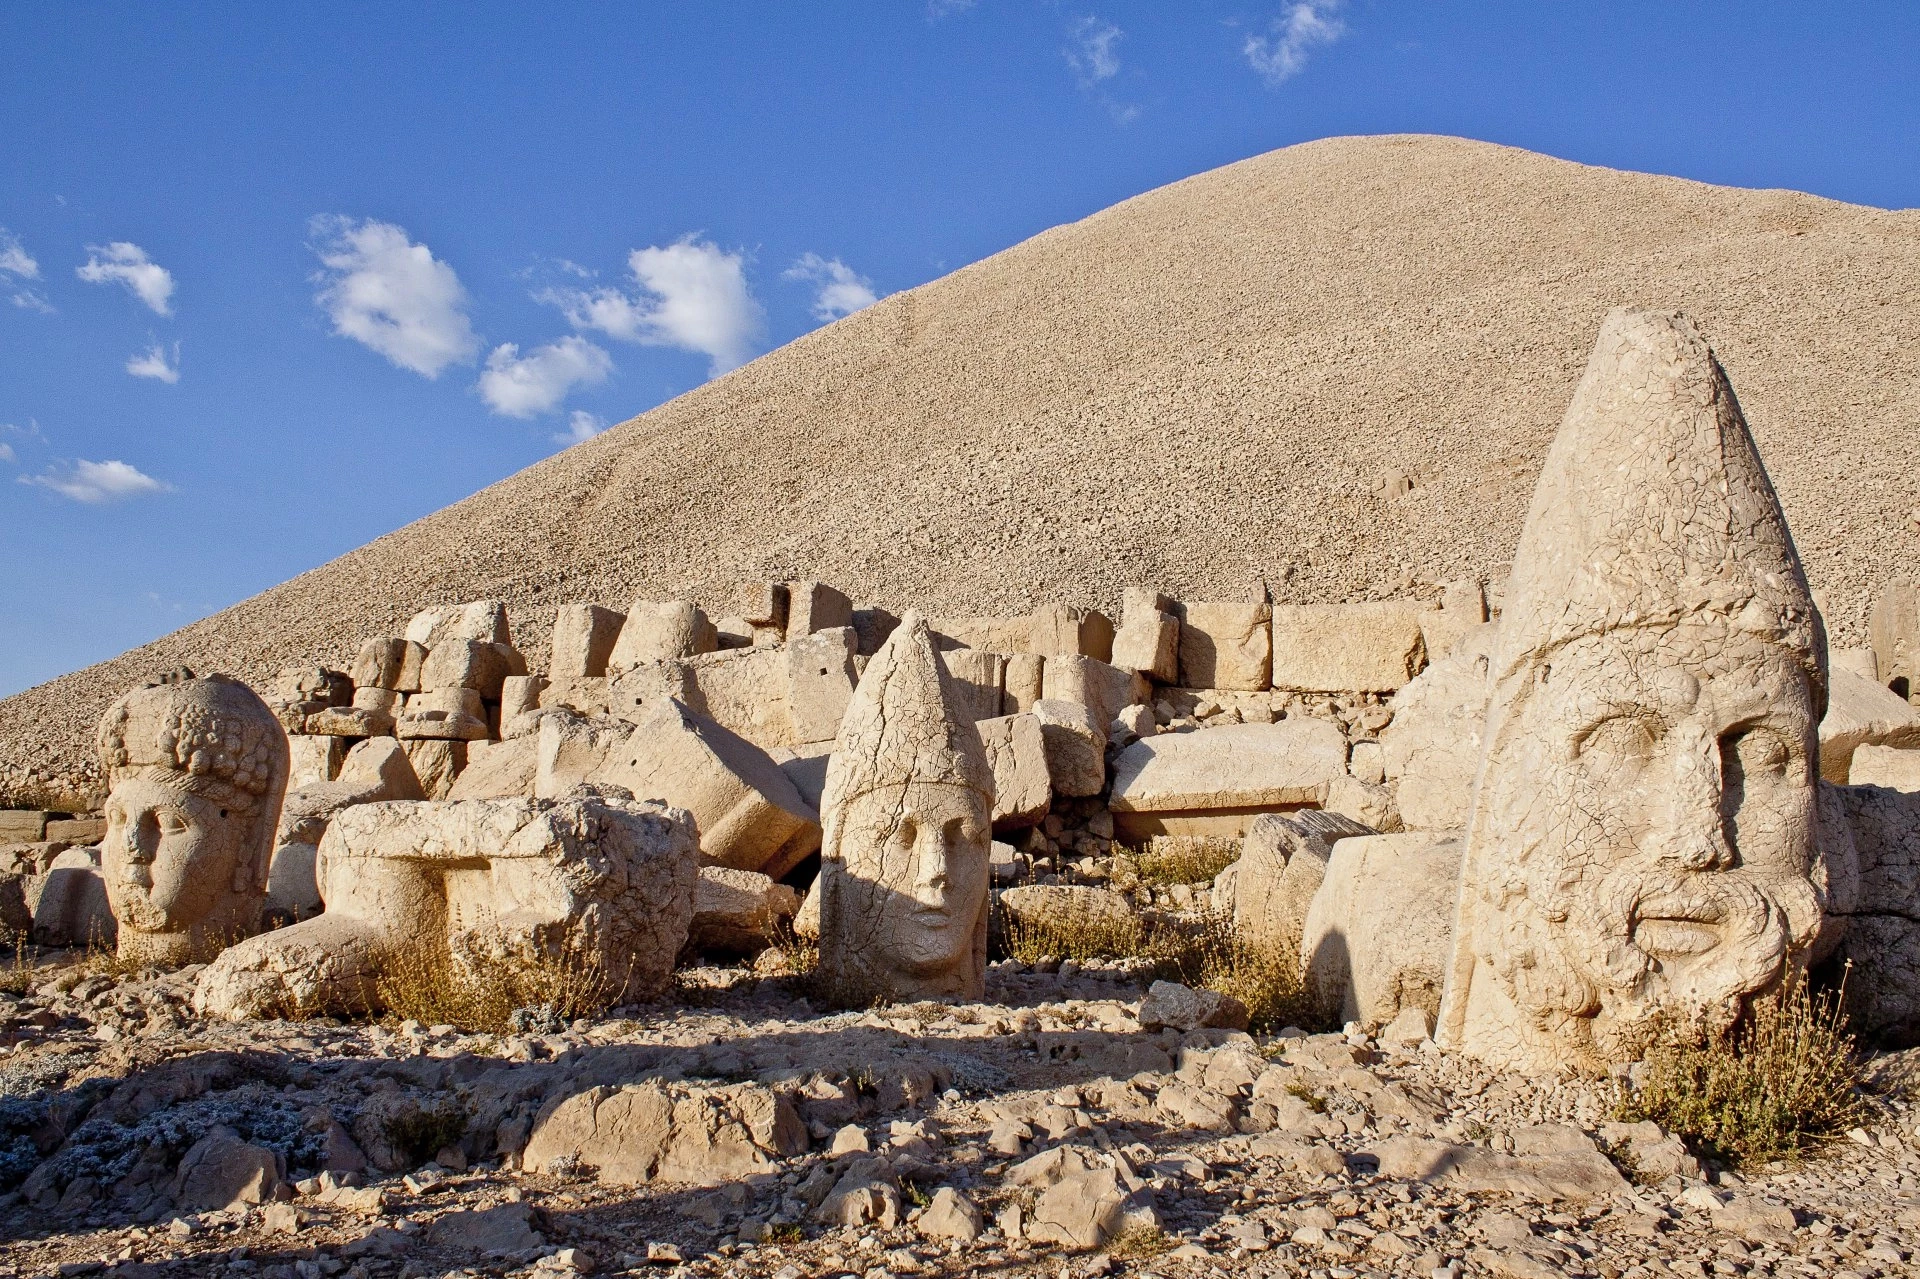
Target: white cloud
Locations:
point(391, 295)
point(96, 483)
point(1282, 54)
point(581, 427)
point(128, 264)
point(14, 258)
point(155, 363)
point(842, 291)
point(16, 264)
point(524, 386)
point(693, 296)
point(6, 453)
point(1092, 55)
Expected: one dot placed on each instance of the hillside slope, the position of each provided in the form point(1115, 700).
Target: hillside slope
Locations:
point(1195, 388)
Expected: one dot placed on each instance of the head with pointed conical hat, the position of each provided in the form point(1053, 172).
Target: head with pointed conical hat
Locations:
point(907, 814)
point(197, 769)
point(1641, 844)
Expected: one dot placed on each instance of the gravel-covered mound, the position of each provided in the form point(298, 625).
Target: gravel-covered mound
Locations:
point(1199, 387)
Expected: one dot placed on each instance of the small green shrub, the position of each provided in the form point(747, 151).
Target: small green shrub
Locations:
point(1782, 1081)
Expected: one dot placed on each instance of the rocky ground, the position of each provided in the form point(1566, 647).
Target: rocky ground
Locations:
point(986, 1139)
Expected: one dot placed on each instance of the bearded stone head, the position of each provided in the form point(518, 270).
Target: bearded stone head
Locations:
point(197, 769)
point(1640, 854)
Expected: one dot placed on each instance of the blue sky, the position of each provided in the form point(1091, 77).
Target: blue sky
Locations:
point(276, 279)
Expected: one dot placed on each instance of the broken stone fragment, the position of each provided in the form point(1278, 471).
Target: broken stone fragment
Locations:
point(655, 1131)
point(1379, 934)
point(820, 680)
point(1017, 754)
point(1075, 744)
point(1170, 1005)
point(660, 632)
point(220, 1172)
point(1860, 712)
point(482, 620)
point(950, 1215)
point(735, 912)
point(378, 663)
point(1283, 860)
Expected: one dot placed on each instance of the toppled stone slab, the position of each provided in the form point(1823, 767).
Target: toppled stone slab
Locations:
point(1022, 786)
point(1890, 767)
point(736, 911)
point(1567, 1174)
point(1283, 860)
point(1216, 780)
point(1860, 712)
point(1225, 645)
point(1379, 934)
point(656, 1131)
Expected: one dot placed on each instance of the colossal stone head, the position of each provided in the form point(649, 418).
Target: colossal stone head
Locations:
point(1642, 841)
point(198, 768)
point(907, 815)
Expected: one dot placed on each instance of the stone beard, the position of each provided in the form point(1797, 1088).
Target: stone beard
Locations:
point(198, 770)
point(1646, 828)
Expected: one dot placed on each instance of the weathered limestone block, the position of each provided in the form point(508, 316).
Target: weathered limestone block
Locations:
point(1215, 780)
point(1378, 936)
point(299, 691)
point(815, 606)
point(1347, 648)
point(22, 825)
point(1576, 1174)
point(70, 905)
point(1642, 844)
point(350, 722)
point(1882, 914)
point(436, 763)
point(1283, 860)
point(612, 879)
point(220, 1172)
point(571, 749)
point(293, 882)
point(1886, 766)
point(1022, 683)
point(644, 690)
point(1003, 635)
point(378, 663)
point(583, 640)
point(979, 676)
point(1226, 644)
point(1861, 712)
point(482, 620)
point(1065, 631)
point(820, 680)
point(735, 912)
point(389, 701)
point(748, 814)
point(499, 770)
point(198, 769)
point(1148, 640)
point(412, 659)
point(1464, 608)
point(1075, 743)
point(1017, 753)
point(588, 695)
point(1894, 630)
point(437, 726)
point(313, 759)
point(464, 663)
point(374, 770)
point(744, 691)
point(660, 632)
point(692, 1134)
point(519, 695)
point(763, 606)
point(1432, 748)
point(1103, 689)
point(908, 807)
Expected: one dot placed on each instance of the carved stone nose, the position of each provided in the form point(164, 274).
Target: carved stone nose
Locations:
point(1696, 835)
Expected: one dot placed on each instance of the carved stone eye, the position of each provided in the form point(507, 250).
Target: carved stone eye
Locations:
point(1754, 751)
point(1629, 738)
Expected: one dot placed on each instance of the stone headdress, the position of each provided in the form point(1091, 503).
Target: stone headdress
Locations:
point(904, 724)
point(1652, 509)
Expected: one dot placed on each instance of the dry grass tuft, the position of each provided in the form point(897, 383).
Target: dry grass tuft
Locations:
point(1072, 935)
point(1779, 1084)
point(482, 993)
point(1140, 1243)
point(1266, 979)
point(1184, 859)
point(21, 972)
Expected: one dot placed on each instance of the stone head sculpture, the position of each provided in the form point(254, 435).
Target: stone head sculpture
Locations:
point(1641, 847)
point(907, 815)
point(197, 770)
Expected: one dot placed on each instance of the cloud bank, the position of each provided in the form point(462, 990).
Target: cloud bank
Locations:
point(391, 295)
point(16, 264)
